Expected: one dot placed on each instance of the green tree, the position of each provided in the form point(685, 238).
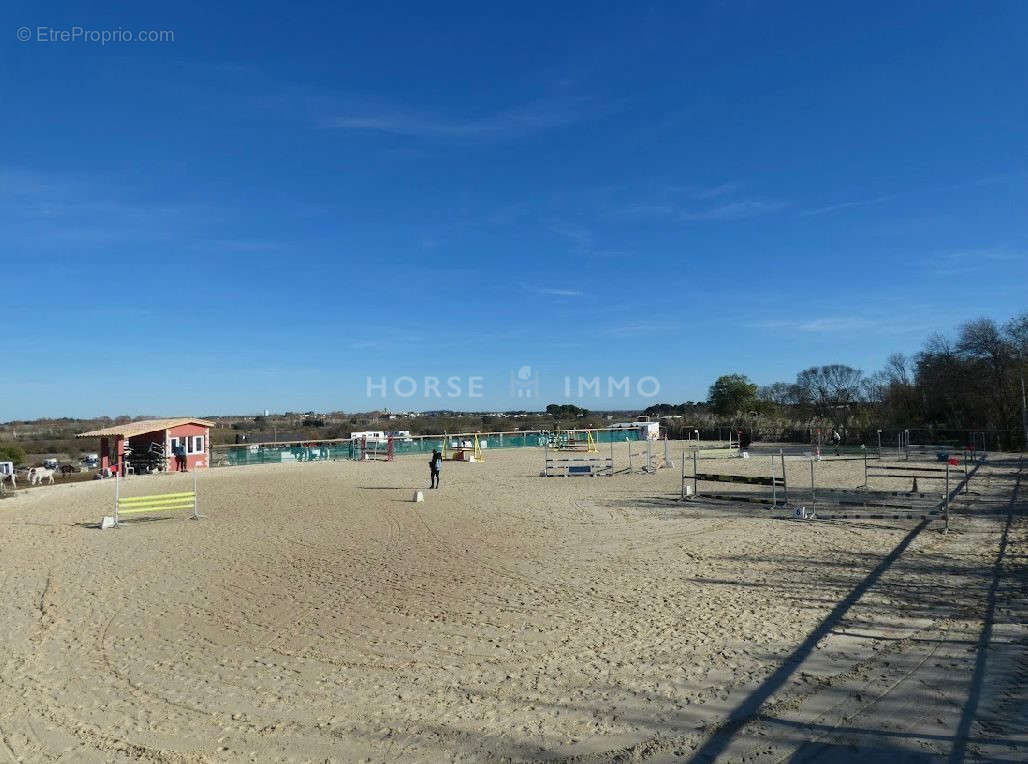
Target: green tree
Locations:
point(14, 454)
point(566, 411)
point(732, 393)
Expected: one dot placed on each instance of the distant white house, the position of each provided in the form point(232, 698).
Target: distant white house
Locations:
point(646, 430)
point(370, 435)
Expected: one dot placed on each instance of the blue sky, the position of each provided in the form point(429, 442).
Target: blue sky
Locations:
point(288, 199)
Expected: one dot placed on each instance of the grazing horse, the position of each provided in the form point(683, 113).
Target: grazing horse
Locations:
point(38, 474)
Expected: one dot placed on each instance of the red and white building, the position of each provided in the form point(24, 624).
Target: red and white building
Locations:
point(124, 443)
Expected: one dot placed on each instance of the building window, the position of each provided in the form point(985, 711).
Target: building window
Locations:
point(198, 444)
point(174, 444)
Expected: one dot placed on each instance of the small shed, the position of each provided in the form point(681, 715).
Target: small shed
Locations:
point(151, 442)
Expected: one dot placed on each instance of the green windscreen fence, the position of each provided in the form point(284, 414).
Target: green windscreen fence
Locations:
point(342, 450)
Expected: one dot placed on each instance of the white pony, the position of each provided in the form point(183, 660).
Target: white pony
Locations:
point(38, 474)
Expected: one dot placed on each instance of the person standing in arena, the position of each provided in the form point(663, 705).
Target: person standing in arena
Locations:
point(434, 465)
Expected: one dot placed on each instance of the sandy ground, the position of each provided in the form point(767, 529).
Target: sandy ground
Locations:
point(317, 613)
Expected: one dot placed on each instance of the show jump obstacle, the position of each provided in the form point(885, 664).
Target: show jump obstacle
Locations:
point(375, 452)
point(567, 441)
point(772, 480)
point(572, 466)
point(472, 452)
point(914, 473)
point(860, 504)
point(162, 502)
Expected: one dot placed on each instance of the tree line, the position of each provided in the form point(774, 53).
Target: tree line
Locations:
point(952, 386)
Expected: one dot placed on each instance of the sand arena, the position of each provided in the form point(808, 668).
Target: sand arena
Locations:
point(318, 614)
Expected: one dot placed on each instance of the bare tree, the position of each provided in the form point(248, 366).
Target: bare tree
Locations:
point(779, 393)
point(830, 391)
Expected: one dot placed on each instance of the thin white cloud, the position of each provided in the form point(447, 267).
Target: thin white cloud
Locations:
point(829, 325)
point(734, 211)
point(1000, 255)
point(738, 209)
point(971, 261)
point(637, 329)
point(552, 291)
point(851, 204)
point(714, 192)
point(578, 235)
point(243, 246)
point(535, 117)
point(561, 292)
point(644, 209)
point(882, 198)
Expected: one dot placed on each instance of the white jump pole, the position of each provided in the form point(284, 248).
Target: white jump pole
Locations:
point(683, 473)
point(946, 528)
point(813, 490)
point(785, 480)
